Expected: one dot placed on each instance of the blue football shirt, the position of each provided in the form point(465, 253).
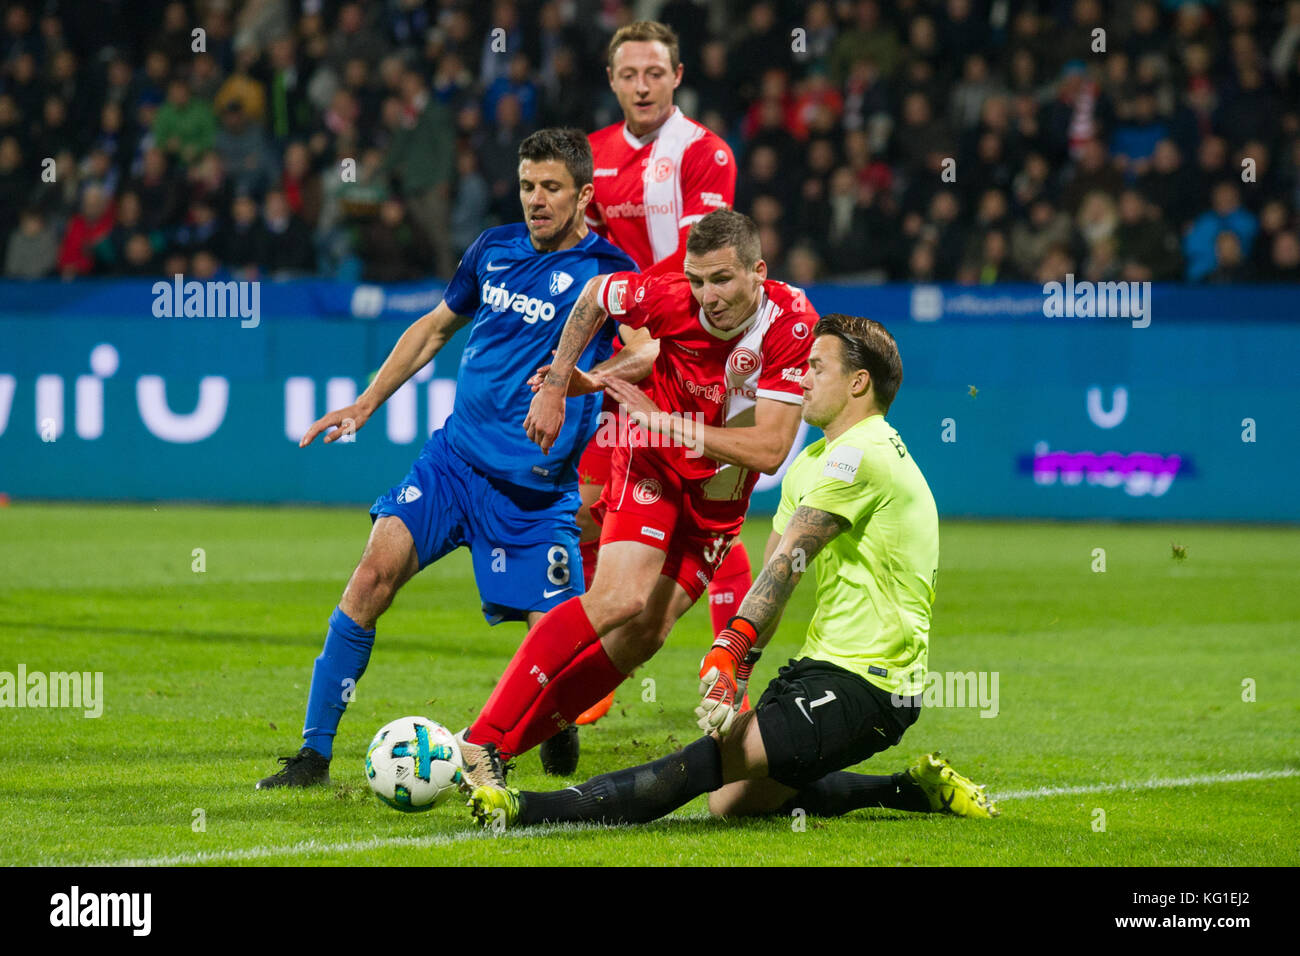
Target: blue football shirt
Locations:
point(519, 299)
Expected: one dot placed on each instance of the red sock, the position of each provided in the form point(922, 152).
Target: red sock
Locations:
point(589, 551)
point(589, 677)
point(729, 586)
point(556, 639)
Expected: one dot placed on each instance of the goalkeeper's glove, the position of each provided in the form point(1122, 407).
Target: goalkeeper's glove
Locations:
point(722, 672)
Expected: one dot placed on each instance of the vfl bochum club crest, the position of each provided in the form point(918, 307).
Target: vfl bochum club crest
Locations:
point(560, 281)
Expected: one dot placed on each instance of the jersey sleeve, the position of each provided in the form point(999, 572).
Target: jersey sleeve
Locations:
point(785, 359)
point(641, 300)
point(845, 485)
point(461, 294)
point(708, 182)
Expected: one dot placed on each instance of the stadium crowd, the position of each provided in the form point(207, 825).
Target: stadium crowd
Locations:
point(968, 140)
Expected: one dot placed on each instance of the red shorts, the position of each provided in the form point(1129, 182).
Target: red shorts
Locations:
point(646, 500)
point(593, 466)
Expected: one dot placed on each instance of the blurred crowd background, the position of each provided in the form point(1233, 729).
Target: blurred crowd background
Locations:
point(843, 114)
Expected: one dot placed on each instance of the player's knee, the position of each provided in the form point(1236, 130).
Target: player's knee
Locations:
point(721, 803)
point(612, 609)
point(372, 587)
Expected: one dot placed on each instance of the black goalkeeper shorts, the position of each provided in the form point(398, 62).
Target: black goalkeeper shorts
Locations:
point(816, 718)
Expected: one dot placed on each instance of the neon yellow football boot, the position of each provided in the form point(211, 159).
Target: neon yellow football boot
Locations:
point(949, 791)
point(494, 807)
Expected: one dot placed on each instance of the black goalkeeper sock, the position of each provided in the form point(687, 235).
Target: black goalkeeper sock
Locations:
point(636, 795)
point(841, 792)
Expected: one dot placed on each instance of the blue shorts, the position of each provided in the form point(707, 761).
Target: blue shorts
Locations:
point(523, 542)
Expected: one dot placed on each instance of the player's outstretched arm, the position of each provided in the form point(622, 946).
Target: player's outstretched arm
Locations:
point(761, 447)
point(546, 413)
point(414, 350)
point(808, 531)
point(632, 363)
point(726, 668)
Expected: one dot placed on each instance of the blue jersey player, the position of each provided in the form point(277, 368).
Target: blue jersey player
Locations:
point(479, 482)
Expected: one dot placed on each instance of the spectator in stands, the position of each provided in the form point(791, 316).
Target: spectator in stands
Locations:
point(1047, 229)
point(159, 191)
point(1274, 219)
point(288, 252)
point(920, 136)
point(472, 205)
point(1230, 264)
point(977, 85)
point(1201, 245)
point(245, 240)
point(92, 223)
point(205, 77)
point(185, 127)
point(300, 184)
point(33, 250)
point(761, 46)
point(53, 134)
point(1134, 141)
point(944, 229)
point(1097, 219)
point(1093, 172)
point(517, 83)
point(11, 122)
point(111, 251)
point(990, 262)
point(1169, 185)
point(1284, 262)
point(288, 106)
point(1055, 265)
point(803, 265)
point(921, 264)
point(244, 151)
point(15, 184)
point(871, 37)
point(24, 85)
point(1147, 247)
point(421, 158)
point(201, 231)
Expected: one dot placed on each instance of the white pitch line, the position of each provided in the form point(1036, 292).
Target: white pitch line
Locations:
point(1167, 783)
point(310, 847)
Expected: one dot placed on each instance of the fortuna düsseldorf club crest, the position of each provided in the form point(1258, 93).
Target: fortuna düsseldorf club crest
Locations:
point(742, 361)
point(647, 491)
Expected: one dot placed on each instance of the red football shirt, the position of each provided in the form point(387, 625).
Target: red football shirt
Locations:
point(649, 192)
point(715, 374)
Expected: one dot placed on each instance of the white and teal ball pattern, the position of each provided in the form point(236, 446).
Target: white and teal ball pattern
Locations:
point(413, 764)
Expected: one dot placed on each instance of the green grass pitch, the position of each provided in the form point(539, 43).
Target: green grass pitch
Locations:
point(1120, 700)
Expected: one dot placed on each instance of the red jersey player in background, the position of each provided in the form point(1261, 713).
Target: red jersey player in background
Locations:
point(657, 173)
point(733, 349)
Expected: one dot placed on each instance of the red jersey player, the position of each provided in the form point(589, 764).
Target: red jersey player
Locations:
point(733, 350)
point(657, 173)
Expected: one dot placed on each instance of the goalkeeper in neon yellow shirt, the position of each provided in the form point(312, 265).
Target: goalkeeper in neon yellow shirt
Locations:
point(857, 511)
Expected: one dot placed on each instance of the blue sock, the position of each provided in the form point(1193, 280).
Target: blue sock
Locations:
point(344, 658)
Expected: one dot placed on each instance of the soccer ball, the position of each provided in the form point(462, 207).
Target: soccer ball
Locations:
point(413, 764)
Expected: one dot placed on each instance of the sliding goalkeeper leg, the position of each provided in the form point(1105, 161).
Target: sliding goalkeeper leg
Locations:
point(782, 756)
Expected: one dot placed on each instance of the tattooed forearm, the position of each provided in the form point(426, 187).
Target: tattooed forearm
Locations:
point(807, 533)
point(583, 321)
